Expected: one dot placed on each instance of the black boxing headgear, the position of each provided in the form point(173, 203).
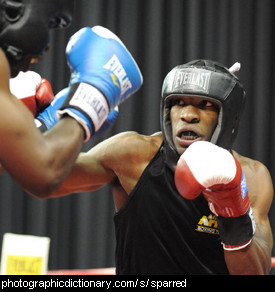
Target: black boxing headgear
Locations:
point(208, 79)
point(25, 25)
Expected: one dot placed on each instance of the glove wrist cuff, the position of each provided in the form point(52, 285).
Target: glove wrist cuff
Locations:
point(236, 232)
point(87, 105)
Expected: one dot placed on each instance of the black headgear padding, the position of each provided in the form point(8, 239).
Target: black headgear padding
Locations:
point(208, 79)
point(25, 25)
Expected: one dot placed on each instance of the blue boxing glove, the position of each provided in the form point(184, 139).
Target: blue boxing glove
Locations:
point(103, 75)
point(48, 118)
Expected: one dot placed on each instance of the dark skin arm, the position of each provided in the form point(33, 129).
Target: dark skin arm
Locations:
point(111, 162)
point(39, 163)
point(255, 259)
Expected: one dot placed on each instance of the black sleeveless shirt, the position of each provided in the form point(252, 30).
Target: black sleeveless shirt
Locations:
point(160, 233)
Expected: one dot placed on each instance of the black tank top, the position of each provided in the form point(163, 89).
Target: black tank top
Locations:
point(160, 233)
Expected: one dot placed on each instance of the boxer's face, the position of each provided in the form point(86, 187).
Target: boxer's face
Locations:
point(192, 119)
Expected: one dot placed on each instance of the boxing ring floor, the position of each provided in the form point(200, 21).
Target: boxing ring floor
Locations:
point(104, 271)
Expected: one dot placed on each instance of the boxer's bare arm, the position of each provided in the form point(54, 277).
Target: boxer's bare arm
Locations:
point(119, 159)
point(37, 162)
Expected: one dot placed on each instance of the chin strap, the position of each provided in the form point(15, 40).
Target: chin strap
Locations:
point(13, 53)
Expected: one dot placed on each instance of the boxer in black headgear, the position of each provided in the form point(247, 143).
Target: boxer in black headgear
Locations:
point(25, 25)
point(213, 81)
point(161, 229)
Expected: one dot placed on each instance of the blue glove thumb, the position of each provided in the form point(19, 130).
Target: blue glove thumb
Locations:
point(47, 119)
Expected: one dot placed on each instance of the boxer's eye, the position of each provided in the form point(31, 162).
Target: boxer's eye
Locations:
point(206, 104)
point(177, 101)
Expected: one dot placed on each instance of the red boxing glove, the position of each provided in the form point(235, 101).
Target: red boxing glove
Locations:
point(212, 170)
point(35, 92)
point(44, 96)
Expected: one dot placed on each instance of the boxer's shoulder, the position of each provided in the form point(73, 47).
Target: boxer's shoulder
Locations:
point(131, 145)
point(123, 157)
point(250, 166)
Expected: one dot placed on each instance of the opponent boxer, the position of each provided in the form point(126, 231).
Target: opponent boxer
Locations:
point(103, 74)
point(213, 218)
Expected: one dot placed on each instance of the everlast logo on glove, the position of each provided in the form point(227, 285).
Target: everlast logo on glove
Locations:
point(194, 81)
point(115, 66)
point(88, 99)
